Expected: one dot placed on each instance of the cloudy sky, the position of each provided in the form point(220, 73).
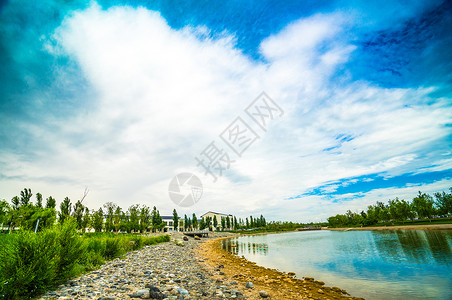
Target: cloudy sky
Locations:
point(121, 96)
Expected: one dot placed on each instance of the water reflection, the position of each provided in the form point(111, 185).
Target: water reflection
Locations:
point(370, 264)
point(235, 247)
point(414, 246)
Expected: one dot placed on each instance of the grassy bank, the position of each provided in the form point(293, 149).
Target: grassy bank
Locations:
point(32, 263)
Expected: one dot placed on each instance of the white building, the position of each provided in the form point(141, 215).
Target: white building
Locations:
point(219, 217)
point(169, 224)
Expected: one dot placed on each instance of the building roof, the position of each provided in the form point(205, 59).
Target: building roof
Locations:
point(216, 214)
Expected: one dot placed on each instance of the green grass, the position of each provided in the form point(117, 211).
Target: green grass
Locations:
point(34, 263)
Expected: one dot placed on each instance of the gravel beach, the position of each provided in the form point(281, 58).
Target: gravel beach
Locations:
point(163, 271)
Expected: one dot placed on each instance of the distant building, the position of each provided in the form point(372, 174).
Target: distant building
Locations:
point(219, 216)
point(169, 224)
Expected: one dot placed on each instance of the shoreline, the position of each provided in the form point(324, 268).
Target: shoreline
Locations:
point(278, 285)
point(396, 227)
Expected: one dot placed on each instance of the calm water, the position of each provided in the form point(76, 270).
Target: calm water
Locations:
point(404, 264)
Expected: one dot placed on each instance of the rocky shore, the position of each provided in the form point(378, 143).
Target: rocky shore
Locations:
point(260, 282)
point(190, 269)
point(164, 271)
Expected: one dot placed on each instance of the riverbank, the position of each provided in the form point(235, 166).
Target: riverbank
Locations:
point(277, 285)
point(399, 227)
point(165, 271)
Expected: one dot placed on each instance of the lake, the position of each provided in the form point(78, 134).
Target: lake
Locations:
point(402, 264)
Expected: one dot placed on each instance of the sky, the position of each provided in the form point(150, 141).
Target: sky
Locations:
point(121, 96)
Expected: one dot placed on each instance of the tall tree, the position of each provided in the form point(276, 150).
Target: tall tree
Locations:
point(25, 197)
point(443, 202)
point(175, 220)
point(145, 218)
point(39, 200)
point(65, 210)
point(185, 222)
point(215, 222)
point(117, 218)
point(228, 223)
point(194, 222)
point(16, 203)
point(157, 221)
point(109, 209)
point(50, 202)
point(79, 209)
point(423, 205)
point(86, 220)
point(134, 220)
point(223, 223)
point(98, 220)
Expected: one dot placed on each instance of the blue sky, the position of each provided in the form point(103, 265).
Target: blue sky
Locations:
point(120, 96)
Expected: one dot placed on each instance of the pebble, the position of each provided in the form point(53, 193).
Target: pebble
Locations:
point(162, 271)
point(249, 285)
point(263, 294)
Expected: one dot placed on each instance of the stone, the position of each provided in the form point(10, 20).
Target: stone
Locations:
point(197, 237)
point(263, 294)
point(182, 291)
point(185, 238)
point(249, 285)
point(291, 274)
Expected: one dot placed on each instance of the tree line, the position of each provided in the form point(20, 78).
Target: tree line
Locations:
point(24, 213)
point(423, 206)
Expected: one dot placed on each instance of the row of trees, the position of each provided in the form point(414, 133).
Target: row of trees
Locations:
point(422, 206)
point(23, 213)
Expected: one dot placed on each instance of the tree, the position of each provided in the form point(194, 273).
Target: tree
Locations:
point(144, 218)
point(175, 219)
point(202, 224)
point(134, 221)
point(86, 220)
point(223, 223)
point(39, 200)
point(423, 205)
point(16, 203)
point(65, 210)
point(194, 222)
point(98, 220)
point(50, 202)
point(443, 201)
point(110, 208)
point(185, 222)
point(247, 224)
point(25, 196)
point(215, 222)
point(235, 223)
point(4, 211)
point(228, 223)
point(79, 209)
point(117, 218)
point(157, 221)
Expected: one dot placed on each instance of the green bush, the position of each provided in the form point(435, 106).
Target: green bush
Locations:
point(32, 263)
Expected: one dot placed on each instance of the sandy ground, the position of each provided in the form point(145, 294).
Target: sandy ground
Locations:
point(278, 285)
point(401, 227)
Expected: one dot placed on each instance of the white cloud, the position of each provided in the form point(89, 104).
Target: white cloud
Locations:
point(162, 95)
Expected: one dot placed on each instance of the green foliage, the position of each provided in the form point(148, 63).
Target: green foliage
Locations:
point(65, 210)
point(175, 220)
point(98, 220)
point(33, 263)
point(444, 202)
point(25, 197)
point(50, 202)
point(194, 221)
point(422, 206)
